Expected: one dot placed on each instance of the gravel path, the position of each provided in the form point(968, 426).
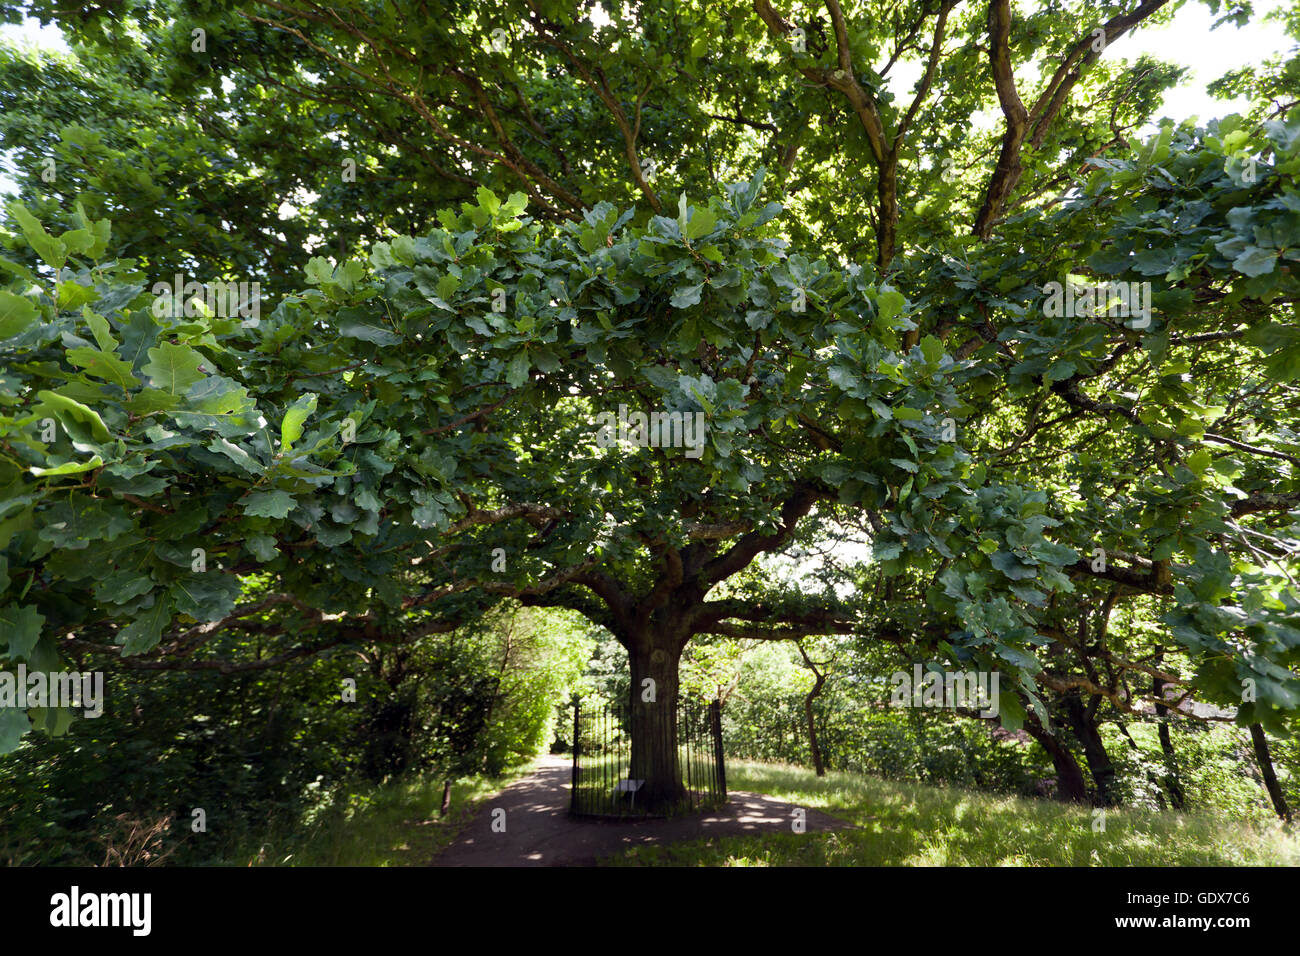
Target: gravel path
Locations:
point(540, 832)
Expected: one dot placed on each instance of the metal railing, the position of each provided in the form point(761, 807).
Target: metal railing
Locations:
point(604, 784)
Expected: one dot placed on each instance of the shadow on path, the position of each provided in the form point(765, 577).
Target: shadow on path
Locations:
point(540, 832)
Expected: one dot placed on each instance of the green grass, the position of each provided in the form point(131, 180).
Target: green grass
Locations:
point(392, 824)
point(905, 824)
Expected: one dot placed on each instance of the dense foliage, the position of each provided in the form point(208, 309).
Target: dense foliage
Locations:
point(262, 752)
point(1025, 392)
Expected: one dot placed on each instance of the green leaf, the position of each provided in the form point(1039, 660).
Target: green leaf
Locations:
point(1284, 365)
point(100, 230)
point(488, 200)
point(78, 241)
point(172, 369)
point(1010, 712)
point(52, 251)
point(16, 313)
point(890, 303)
point(932, 349)
point(123, 586)
point(145, 631)
point(359, 324)
point(702, 222)
point(218, 395)
point(238, 455)
point(99, 328)
point(517, 370)
point(883, 411)
point(206, 596)
point(429, 515)
point(687, 295)
point(20, 629)
point(105, 366)
point(269, 504)
point(73, 295)
point(1019, 658)
point(291, 426)
point(262, 547)
point(80, 421)
point(68, 468)
point(1255, 261)
point(318, 270)
point(448, 285)
point(150, 400)
point(140, 334)
point(13, 724)
point(1010, 565)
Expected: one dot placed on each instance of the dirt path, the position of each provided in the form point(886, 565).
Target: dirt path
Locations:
point(540, 832)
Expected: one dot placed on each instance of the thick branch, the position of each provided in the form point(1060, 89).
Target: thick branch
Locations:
point(738, 557)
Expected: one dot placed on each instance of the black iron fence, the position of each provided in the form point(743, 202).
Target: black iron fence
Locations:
point(604, 784)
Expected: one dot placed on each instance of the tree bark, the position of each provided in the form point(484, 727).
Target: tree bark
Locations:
point(820, 681)
point(1266, 768)
point(1085, 728)
point(1070, 785)
point(1173, 782)
point(887, 230)
point(654, 657)
point(813, 745)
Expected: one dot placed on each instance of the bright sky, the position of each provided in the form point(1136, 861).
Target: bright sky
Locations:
point(1187, 40)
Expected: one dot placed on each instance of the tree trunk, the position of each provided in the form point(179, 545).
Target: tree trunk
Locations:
point(816, 749)
point(1173, 782)
point(818, 683)
point(1085, 728)
point(654, 661)
point(1070, 785)
point(446, 798)
point(1266, 768)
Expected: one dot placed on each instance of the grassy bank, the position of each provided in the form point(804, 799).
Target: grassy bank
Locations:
point(905, 824)
point(392, 824)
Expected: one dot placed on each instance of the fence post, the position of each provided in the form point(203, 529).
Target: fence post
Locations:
point(715, 722)
point(573, 791)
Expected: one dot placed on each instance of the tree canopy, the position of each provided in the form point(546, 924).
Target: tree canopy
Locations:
point(1045, 364)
